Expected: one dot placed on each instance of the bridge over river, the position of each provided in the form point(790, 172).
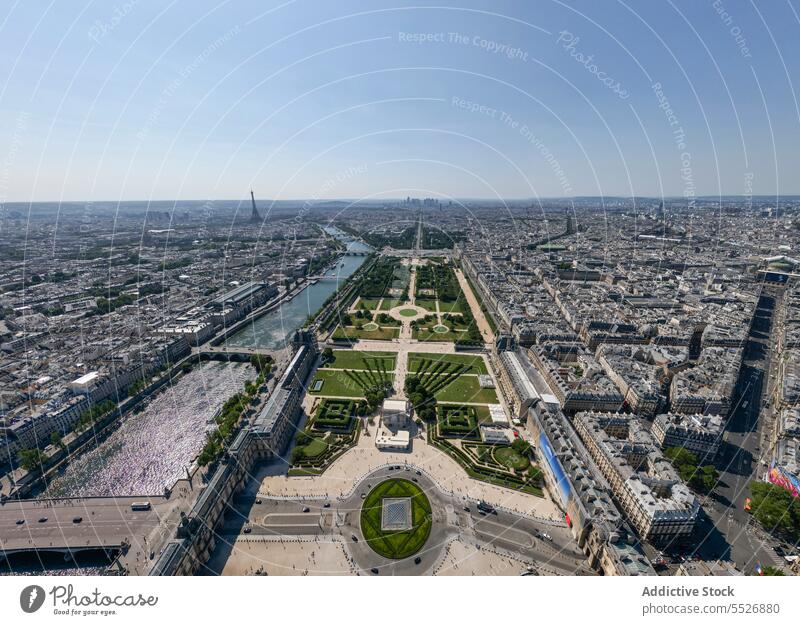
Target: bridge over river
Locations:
point(50, 525)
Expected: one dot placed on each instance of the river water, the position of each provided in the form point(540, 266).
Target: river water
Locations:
point(274, 329)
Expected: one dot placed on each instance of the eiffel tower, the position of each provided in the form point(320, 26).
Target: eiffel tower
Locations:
point(255, 217)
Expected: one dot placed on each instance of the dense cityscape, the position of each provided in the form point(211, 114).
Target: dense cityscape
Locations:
point(564, 388)
point(391, 309)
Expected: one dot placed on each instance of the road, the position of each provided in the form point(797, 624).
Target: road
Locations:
point(506, 532)
point(475, 307)
point(729, 531)
point(105, 523)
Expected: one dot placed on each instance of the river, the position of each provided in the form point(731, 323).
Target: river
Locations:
point(273, 330)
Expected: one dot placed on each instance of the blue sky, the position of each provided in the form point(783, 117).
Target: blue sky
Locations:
point(376, 98)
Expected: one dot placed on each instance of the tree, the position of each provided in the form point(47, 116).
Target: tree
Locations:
point(55, 439)
point(31, 459)
point(303, 438)
point(327, 355)
point(262, 362)
point(775, 508)
point(772, 571)
point(521, 446)
point(680, 456)
point(702, 478)
point(706, 478)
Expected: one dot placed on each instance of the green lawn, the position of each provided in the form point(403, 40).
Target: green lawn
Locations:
point(354, 359)
point(450, 307)
point(338, 384)
point(315, 448)
point(427, 304)
point(430, 335)
point(381, 334)
point(408, 312)
point(388, 303)
point(476, 363)
point(467, 389)
point(510, 458)
point(369, 304)
point(396, 544)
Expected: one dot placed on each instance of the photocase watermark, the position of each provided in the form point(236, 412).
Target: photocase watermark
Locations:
point(679, 136)
point(455, 38)
point(101, 28)
point(172, 88)
point(734, 30)
point(65, 601)
point(525, 131)
point(570, 42)
point(31, 598)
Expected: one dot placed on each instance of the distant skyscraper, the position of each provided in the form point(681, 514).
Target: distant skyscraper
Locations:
point(255, 216)
point(570, 224)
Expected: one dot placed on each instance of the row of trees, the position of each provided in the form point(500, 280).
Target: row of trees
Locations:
point(441, 279)
point(232, 410)
point(421, 398)
point(379, 279)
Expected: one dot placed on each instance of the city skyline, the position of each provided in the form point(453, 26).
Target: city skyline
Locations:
point(444, 293)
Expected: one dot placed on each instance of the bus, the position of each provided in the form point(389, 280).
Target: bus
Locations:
point(138, 506)
point(485, 507)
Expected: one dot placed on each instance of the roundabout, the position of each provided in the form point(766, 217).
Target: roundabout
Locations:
point(396, 519)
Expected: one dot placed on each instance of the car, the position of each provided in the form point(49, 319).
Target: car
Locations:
point(20, 521)
point(327, 504)
point(466, 508)
point(391, 468)
point(306, 509)
point(374, 571)
point(547, 536)
point(258, 501)
point(413, 479)
point(355, 538)
point(417, 560)
point(77, 519)
point(397, 467)
point(419, 472)
point(363, 495)
point(408, 468)
point(152, 554)
point(43, 519)
point(247, 530)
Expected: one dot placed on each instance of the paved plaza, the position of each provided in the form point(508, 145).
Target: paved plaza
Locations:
point(339, 478)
